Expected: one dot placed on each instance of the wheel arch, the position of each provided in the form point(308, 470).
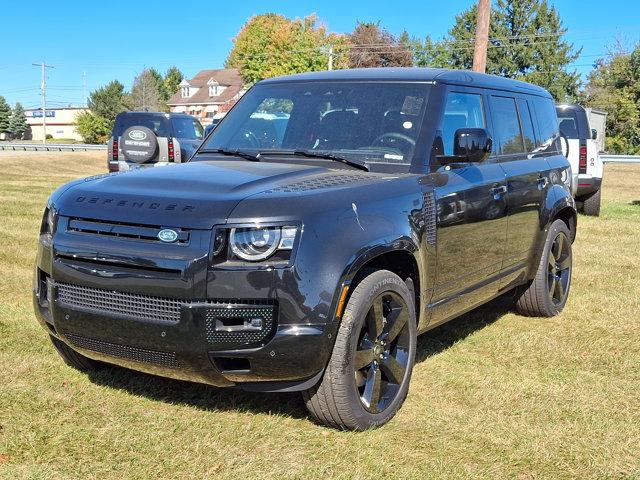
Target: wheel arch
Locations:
point(401, 259)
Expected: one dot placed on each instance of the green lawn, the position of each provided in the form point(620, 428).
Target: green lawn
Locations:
point(493, 395)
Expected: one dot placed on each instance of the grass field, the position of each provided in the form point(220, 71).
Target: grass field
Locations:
point(493, 395)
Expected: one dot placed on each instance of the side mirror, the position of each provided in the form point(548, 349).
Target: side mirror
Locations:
point(472, 144)
point(594, 134)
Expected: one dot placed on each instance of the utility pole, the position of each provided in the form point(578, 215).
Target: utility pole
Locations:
point(482, 36)
point(84, 88)
point(330, 57)
point(43, 91)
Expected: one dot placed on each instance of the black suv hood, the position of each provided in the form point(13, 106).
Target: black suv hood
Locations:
point(191, 195)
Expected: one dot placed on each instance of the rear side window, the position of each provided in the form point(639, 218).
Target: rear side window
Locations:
point(159, 124)
point(463, 110)
point(506, 126)
point(568, 121)
point(527, 125)
point(547, 120)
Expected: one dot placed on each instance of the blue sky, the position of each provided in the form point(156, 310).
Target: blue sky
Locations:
point(117, 39)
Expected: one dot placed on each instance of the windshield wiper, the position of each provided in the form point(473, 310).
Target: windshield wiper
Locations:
point(234, 153)
point(313, 154)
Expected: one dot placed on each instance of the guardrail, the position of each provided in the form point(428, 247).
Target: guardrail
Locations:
point(620, 158)
point(51, 147)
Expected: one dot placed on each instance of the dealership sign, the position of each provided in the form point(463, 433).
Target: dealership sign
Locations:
point(38, 113)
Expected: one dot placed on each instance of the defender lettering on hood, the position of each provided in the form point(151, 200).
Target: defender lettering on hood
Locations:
point(149, 205)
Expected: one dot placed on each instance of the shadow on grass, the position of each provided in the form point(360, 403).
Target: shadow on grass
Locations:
point(214, 399)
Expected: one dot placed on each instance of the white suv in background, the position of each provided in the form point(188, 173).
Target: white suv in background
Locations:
point(584, 144)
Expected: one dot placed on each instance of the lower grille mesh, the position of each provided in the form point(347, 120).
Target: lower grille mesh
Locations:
point(163, 359)
point(128, 304)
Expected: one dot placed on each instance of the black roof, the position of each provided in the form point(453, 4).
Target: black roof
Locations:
point(164, 114)
point(413, 74)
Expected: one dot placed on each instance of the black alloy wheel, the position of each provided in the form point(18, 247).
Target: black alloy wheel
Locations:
point(382, 355)
point(367, 377)
point(559, 269)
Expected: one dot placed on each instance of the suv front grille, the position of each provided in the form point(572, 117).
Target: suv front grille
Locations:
point(120, 303)
point(142, 355)
point(122, 230)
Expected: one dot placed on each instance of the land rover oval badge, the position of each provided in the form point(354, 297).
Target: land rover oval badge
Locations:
point(137, 135)
point(167, 235)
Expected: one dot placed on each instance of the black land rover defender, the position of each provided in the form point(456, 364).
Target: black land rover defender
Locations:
point(327, 221)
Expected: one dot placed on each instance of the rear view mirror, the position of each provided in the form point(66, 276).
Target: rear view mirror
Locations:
point(594, 134)
point(472, 144)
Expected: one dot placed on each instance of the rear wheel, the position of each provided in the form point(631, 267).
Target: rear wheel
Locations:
point(368, 374)
point(547, 294)
point(73, 358)
point(591, 204)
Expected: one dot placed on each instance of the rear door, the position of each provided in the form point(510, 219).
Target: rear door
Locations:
point(527, 180)
point(471, 208)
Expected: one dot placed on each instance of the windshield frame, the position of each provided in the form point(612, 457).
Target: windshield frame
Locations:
point(419, 157)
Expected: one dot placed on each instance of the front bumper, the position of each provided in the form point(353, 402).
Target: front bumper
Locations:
point(162, 321)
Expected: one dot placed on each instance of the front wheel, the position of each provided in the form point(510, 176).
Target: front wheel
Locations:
point(368, 374)
point(547, 294)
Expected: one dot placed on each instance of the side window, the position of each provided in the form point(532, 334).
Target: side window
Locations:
point(506, 126)
point(462, 110)
point(548, 129)
point(527, 125)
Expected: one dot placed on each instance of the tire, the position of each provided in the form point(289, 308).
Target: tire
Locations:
point(547, 294)
point(139, 144)
point(73, 358)
point(591, 204)
point(380, 323)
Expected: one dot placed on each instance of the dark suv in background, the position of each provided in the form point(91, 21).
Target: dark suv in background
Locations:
point(152, 139)
point(328, 220)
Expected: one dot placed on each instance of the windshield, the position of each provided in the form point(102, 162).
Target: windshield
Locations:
point(187, 128)
point(371, 122)
point(157, 123)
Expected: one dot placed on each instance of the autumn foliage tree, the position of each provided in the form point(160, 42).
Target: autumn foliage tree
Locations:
point(270, 45)
point(373, 46)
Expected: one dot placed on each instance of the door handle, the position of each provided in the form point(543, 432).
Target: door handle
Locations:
point(497, 191)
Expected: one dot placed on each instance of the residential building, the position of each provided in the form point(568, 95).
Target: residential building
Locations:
point(209, 94)
point(61, 122)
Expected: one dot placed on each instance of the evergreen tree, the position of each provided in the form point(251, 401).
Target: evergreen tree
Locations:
point(172, 79)
point(18, 125)
point(525, 42)
point(106, 102)
point(5, 115)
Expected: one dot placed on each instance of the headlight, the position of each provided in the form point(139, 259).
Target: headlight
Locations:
point(258, 243)
point(49, 221)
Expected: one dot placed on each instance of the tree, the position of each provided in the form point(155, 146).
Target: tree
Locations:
point(108, 101)
point(93, 128)
point(372, 46)
point(5, 115)
point(270, 45)
point(172, 79)
point(145, 93)
point(18, 123)
point(525, 42)
point(614, 86)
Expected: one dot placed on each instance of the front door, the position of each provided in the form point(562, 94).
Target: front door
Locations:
point(471, 212)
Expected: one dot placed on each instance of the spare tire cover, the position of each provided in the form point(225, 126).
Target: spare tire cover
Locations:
point(139, 144)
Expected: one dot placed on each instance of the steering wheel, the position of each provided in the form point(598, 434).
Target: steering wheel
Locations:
point(391, 139)
point(245, 136)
